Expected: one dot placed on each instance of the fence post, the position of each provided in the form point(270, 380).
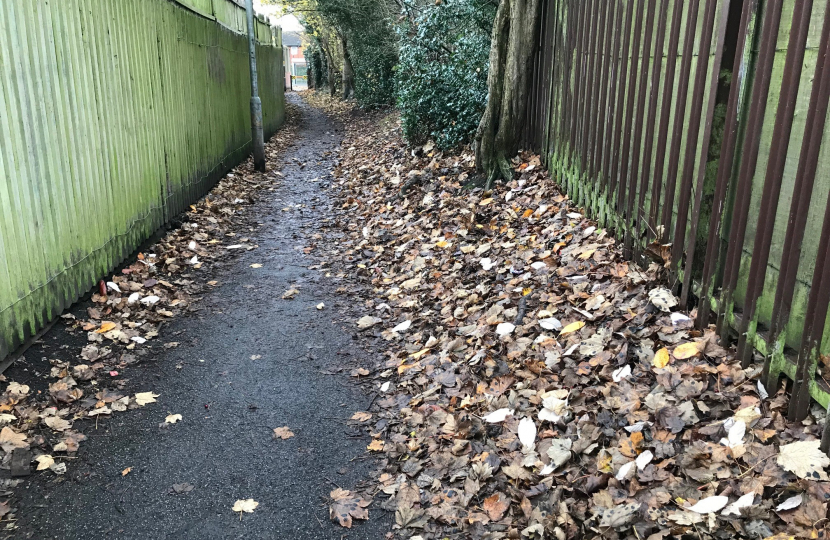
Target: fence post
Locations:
point(256, 103)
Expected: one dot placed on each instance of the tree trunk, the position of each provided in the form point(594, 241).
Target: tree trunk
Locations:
point(515, 33)
point(325, 46)
point(348, 71)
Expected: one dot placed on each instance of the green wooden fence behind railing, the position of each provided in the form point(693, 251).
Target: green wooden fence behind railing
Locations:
point(114, 116)
point(702, 125)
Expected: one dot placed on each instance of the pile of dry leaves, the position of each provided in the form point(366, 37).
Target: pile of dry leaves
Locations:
point(537, 384)
point(126, 316)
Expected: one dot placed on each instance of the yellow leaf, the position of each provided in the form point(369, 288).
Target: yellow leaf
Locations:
point(442, 244)
point(526, 291)
point(419, 354)
point(375, 446)
point(687, 350)
point(661, 359)
point(573, 327)
point(604, 462)
point(126, 471)
point(106, 327)
point(528, 213)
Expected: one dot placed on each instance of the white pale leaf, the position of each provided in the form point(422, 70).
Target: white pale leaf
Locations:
point(134, 298)
point(621, 373)
point(143, 398)
point(644, 459)
point(385, 386)
point(789, 504)
point(625, 470)
point(736, 434)
point(575, 215)
point(497, 416)
point(538, 265)
point(560, 451)
point(44, 461)
point(804, 459)
point(505, 328)
point(403, 327)
point(662, 298)
point(150, 300)
point(527, 432)
point(744, 501)
point(487, 264)
point(762, 392)
point(113, 287)
point(679, 318)
point(367, 321)
point(245, 505)
point(709, 504)
point(550, 323)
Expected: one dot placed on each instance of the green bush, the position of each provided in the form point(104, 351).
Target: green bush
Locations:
point(441, 77)
point(373, 59)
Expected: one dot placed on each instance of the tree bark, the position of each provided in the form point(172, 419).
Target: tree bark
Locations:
point(348, 71)
point(326, 47)
point(514, 39)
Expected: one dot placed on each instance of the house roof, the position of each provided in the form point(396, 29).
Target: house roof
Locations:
point(291, 39)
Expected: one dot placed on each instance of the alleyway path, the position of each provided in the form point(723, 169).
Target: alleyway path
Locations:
point(231, 400)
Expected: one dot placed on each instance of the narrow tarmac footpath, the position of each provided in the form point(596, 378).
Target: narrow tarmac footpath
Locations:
point(249, 362)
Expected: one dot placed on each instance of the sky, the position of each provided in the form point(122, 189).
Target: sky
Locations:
point(289, 23)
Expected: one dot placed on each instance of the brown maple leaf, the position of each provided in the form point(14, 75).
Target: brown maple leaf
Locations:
point(347, 505)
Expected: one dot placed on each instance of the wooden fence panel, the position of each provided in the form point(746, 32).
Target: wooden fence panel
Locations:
point(114, 117)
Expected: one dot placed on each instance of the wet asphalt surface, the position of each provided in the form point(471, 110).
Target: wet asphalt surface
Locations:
point(230, 403)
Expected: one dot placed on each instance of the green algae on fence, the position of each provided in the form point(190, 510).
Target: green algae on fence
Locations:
point(114, 117)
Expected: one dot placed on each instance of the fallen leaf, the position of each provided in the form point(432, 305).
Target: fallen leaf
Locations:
point(172, 418)
point(347, 505)
point(496, 505)
point(527, 432)
point(145, 398)
point(44, 461)
point(662, 298)
point(505, 328)
point(661, 358)
point(362, 416)
point(375, 446)
point(126, 471)
point(573, 327)
point(256, 265)
point(245, 505)
point(10, 439)
point(283, 433)
point(497, 416)
point(709, 505)
point(687, 350)
point(803, 458)
point(789, 504)
point(367, 322)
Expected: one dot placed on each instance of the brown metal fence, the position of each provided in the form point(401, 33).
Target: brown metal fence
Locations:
point(701, 125)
